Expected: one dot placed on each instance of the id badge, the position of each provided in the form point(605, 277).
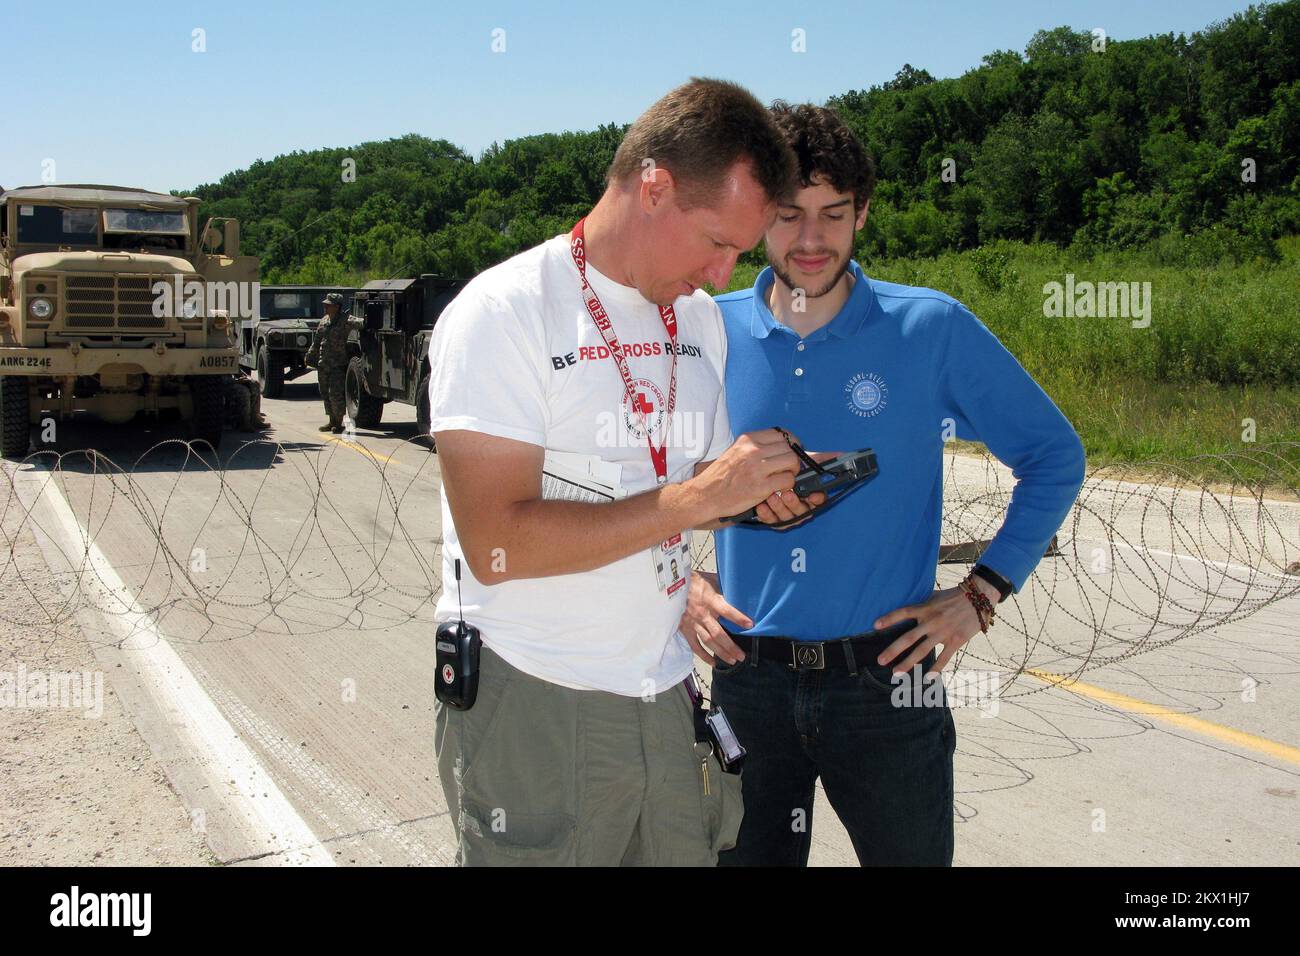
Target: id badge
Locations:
point(672, 562)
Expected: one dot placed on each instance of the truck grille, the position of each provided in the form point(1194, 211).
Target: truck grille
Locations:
point(101, 303)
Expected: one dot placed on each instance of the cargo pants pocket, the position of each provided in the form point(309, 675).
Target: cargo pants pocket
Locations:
point(517, 790)
point(498, 836)
point(723, 807)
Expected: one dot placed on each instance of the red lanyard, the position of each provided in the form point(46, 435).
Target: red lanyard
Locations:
point(659, 456)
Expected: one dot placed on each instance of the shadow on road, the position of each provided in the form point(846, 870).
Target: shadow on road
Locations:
point(297, 392)
point(87, 445)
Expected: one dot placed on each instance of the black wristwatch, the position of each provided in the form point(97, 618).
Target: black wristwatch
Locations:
point(998, 581)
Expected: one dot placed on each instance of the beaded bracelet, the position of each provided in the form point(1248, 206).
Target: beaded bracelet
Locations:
point(983, 606)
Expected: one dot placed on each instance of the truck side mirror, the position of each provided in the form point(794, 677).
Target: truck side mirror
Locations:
point(230, 238)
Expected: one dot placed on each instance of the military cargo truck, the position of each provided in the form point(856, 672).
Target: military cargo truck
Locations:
point(389, 353)
point(275, 343)
point(116, 302)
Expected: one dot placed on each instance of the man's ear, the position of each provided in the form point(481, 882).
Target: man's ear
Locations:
point(862, 216)
point(657, 188)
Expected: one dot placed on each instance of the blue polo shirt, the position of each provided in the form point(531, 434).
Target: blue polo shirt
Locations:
point(895, 370)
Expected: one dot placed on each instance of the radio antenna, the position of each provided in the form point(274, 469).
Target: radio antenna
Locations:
point(460, 604)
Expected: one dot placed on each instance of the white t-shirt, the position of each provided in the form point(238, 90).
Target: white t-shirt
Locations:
point(517, 355)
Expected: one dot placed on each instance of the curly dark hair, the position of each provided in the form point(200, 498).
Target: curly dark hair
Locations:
point(698, 131)
point(824, 144)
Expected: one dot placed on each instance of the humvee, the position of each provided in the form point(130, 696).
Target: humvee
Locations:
point(389, 352)
point(275, 342)
point(115, 301)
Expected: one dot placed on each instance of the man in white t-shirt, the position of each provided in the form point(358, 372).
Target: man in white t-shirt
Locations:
point(570, 482)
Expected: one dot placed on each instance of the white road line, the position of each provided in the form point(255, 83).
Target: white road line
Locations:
point(234, 774)
point(1281, 576)
point(325, 793)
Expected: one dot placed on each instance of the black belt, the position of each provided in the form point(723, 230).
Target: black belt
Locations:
point(850, 653)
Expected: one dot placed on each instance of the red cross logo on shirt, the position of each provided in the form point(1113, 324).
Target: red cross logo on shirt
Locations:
point(644, 407)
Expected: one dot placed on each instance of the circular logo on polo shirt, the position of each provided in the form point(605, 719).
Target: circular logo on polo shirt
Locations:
point(651, 407)
point(448, 675)
point(867, 394)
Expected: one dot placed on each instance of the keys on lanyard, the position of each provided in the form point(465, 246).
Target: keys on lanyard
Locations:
point(703, 739)
point(704, 750)
point(658, 456)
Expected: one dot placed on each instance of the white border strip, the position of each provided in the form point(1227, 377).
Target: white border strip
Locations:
point(1281, 576)
point(235, 776)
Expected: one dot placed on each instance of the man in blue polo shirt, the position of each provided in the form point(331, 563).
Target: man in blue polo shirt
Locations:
point(820, 618)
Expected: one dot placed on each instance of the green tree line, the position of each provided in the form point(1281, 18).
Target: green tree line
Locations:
point(1080, 140)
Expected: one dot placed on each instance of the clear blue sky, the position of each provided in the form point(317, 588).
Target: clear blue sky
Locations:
point(113, 93)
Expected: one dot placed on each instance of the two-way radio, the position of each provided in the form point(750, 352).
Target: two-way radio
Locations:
point(458, 645)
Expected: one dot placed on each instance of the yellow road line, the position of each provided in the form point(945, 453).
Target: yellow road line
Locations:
point(1239, 738)
point(355, 447)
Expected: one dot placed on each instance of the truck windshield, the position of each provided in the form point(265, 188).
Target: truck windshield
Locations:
point(57, 225)
point(289, 305)
point(144, 220)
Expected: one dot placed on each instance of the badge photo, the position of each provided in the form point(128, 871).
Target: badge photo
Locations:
point(671, 560)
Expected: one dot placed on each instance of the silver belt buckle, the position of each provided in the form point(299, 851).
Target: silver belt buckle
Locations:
point(809, 655)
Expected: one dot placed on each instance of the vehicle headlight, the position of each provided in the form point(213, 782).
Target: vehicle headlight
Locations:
point(191, 309)
point(302, 341)
point(41, 308)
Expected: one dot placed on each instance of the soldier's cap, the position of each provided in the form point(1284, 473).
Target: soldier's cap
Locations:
point(334, 298)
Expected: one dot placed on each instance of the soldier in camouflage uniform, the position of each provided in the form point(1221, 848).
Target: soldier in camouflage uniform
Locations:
point(329, 356)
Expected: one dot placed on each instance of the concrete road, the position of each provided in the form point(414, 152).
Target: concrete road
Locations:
point(267, 625)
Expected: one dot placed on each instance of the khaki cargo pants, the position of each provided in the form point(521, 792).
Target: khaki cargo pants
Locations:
point(537, 774)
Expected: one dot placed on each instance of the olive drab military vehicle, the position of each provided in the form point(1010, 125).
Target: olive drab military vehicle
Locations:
point(116, 302)
point(389, 353)
point(275, 343)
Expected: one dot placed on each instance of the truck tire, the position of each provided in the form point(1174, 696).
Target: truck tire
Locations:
point(422, 415)
point(239, 403)
point(255, 408)
point(363, 408)
point(17, 430)
point(270, 372)
point(208, 395)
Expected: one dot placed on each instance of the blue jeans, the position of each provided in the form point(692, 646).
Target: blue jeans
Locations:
point(886, 768)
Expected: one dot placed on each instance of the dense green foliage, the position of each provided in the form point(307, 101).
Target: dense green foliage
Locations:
point(1136, 144)
point(1112, 147)
point(415, 205)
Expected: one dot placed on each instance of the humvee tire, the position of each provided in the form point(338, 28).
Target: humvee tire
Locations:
point(422, 416)
point(363, 408)
point(207, 393)
point(17, 431)
point(270, 374)
point(255, 409)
